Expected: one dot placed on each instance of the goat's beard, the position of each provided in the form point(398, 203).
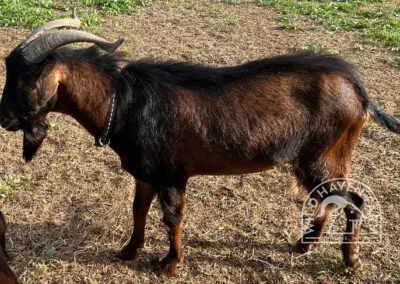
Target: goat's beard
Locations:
point(33, 138)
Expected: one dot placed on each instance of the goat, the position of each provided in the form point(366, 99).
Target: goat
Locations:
point(6, 274)
point(169, 121)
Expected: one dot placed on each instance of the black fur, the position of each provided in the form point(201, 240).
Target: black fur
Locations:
point(384, 118)
point(33, 138)
point(194, 76)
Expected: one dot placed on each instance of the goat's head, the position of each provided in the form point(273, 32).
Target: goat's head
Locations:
point(34, 77)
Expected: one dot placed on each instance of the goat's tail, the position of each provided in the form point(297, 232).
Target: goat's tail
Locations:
point(377, 113)
point(383, 118)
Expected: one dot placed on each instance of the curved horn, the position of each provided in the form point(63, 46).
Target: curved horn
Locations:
point(67, 22)
point(38, 49)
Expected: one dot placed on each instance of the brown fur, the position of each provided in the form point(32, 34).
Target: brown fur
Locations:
point(80, 81)
point(6, 274)
point(141, 205)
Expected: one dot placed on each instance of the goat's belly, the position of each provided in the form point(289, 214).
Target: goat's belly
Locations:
point(231, 167)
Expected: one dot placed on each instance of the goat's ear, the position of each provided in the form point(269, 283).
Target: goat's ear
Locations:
point(47, 84)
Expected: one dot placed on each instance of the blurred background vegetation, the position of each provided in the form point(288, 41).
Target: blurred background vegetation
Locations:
point(30, 13)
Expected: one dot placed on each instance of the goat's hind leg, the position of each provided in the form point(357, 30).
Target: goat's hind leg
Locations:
point(352, 205)
point(143, 197)
point(349, 245)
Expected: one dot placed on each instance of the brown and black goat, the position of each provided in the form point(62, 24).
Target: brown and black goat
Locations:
point(169, 121)
point(6, 274)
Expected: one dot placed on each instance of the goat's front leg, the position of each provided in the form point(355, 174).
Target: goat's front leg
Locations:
point(173, 202)
point(143, 197)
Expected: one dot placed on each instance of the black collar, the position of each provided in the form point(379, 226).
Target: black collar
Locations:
point(104, 139)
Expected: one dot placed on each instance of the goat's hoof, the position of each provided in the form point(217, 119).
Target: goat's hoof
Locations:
point(350, 255)
point(354, 263)
point(126, 255)
point(167, 266)
point(300, 247)
point(129, 251)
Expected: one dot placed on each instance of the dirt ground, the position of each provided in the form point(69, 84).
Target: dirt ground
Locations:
point(69, 220)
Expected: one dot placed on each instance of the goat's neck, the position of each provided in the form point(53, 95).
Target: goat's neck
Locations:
point(86, 96)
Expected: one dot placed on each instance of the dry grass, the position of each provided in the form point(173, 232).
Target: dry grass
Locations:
point(69, 219)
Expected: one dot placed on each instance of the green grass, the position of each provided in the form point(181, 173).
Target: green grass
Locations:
point(89, 18)
point(231, 19)
point(111, 7)
point(330, 265)
point(316, 48)
point(286, 23)
point(9, 182)
point(47, 255)
point(31, 13)
point(395, 62)
point(378, 20)
point(52, 126)
point(237, 2)
point(24, 13)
